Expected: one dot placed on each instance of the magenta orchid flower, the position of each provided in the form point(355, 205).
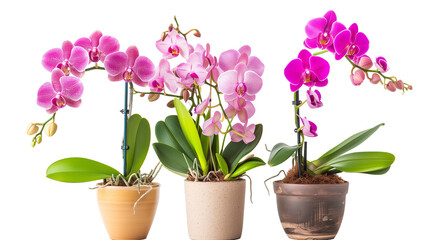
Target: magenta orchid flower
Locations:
point(98, 46)
point(173, 45)
point(228, 60)
point(202, 106)
point(244, 109)
point(60, 92)
point(163, 76)
point(319, 34)
point(309, 128)
point(350, 42)
point(129, 67)
point(192, 71)
point(382, 64)
point(69, 58)
point(240, 82)
point(314, 98)
point(213, 125)
point(246, 133)
point(307, 69)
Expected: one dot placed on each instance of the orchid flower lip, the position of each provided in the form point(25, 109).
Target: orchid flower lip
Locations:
point(128, 75)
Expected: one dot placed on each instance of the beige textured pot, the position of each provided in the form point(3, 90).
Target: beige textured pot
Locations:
point(117, 210)
point(215, 210)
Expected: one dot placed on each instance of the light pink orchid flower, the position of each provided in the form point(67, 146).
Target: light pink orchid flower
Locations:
point(309, 128)
point(244, 109)
point(313, 98)
point(213, 125)
point(173, 45)
point(202, 106)
point(69, 58)
point(240, 82)
point(192, 71)
point(163, 76)
point(98, 46)
point(129, 67)
point(60, 92)
point(246, 132)
point(228, 60)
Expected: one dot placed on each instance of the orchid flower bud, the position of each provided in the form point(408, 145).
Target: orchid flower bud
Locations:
point(375, 78)
point(39, 139)
point(185, 94)
point(50, 129)
point(32, 129)
point(170, 104)
point(410, 87)
point(391, 86)
point(365, 62)
point(142, 94)
point(197, 33)
point(358, 77)
point(399, 84)
point(153, 97)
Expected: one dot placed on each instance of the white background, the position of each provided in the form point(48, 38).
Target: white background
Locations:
point(392, 206)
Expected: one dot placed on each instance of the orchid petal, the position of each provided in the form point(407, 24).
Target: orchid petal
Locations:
point(84, 43)
point(144, 68)
point(253, 82)
point(56, 75)
point(116, 78)
point(95, 38)
point(79, 58)
point(245, 50)
point(322, 83)
point(139, 81)
point(354, 30)
point(164, 67)
point(163, 46)
point(227, 82)
point(51, 58)
point(108, 45)
point(183, 69)
point(132, 53)
point(183, 46)
point(330, 16)
point(256, 65)
point(315, 26)
point(45, 95)
point(77, 73)
point(341, 43)
point(72, 103)
point(67, 46)
point(305, 55)
point(293, 72)
point(228, 59)
point(171, 82)
point(320, 67)
point(311, 43)
point(336, 29)
point(115, 63)
point(72, 87)
point(362, 42)
point(52, 109)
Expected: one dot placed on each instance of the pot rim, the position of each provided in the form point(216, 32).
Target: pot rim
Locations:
point(216, 182)
point(154, 185)
point(311, 184)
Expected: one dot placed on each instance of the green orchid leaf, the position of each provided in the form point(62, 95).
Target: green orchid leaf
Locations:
point(281, 152)
point(246, 165)
point(164, 135)
point(172, 159)
point(359, 162)
point(222, 164)
point(379, 172)
point(174, 127)
point(191, 133)
point(235, 151)
point(131, 132)
point(141, 146)
point(76, 170)
point(346, 145)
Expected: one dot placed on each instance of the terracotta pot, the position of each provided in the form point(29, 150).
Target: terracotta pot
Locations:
point(117, 210)
point(310, 211)
point(215, 210)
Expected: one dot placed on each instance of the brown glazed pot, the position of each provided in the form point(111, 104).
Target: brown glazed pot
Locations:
point(215, 210)
point(311, 211)
point(117, 210)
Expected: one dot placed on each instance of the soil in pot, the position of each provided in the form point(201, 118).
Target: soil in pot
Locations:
point(116, 204)
point(311, 207)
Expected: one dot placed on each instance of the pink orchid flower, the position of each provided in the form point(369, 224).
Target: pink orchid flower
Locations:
point(213, 125)
point(244, 109)
point(309, 128)
point(240, 82)
point(318, 31)
point(60, 92)
point(173, 45)
point(98, 46)
point(246, 132)
point(202, 106)
point(350, 42)
point(307, 69)
point(314, 98)
point(228, 60)
point(129, 67)
point(203, 57)
point(69, 58)
point(382, 64)
point(163, 76)
point(192, 71)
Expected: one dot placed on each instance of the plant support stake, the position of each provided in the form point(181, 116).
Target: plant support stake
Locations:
point(125, 124)
point(296, 103)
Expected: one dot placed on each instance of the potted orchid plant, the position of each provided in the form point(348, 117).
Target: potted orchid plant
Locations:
point(191, 144)
point(128, 199)
point(311, 198)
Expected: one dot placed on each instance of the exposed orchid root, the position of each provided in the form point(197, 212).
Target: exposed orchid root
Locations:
point(282, 171)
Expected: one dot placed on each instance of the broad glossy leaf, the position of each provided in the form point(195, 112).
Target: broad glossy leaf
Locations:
point(191, 133)
point(172, 159)
point(346, 145)
point(281, 152)
point(379, 172)
point(75, 170)
point(164, 135)
point(131, 132)
point(246, 165)
point(222, 163)
point(360, 162)
point(142, 144)
point(235, 151)
point(174, 127)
